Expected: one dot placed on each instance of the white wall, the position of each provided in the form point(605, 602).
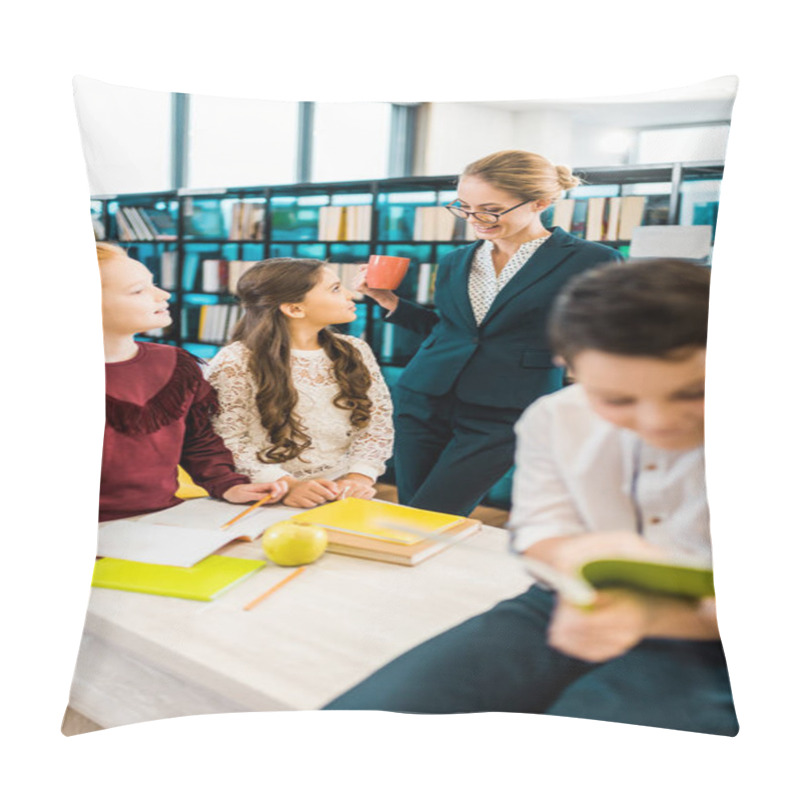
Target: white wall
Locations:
point(459, 133)
point(125, 135)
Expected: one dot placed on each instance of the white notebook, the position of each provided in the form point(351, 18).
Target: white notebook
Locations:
point(184, 534)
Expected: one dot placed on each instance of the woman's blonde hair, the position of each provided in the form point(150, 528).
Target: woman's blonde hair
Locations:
point(526, 175)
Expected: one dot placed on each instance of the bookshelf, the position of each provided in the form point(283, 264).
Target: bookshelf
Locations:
point(197, 242)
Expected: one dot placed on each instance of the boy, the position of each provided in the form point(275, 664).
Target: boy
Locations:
point(610, 466)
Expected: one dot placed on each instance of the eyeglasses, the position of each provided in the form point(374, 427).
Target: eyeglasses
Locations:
point(482, 216)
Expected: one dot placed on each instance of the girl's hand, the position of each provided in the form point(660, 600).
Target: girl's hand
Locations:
point(307, 494)
point(250, 492)
point(383, 297)
point(356, 485)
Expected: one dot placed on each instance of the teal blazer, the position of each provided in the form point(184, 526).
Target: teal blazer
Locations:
point(506, 361)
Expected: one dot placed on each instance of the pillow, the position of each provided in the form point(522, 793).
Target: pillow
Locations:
point(184, 621)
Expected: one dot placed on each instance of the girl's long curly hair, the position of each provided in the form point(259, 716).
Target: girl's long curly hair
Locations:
point(264, 330)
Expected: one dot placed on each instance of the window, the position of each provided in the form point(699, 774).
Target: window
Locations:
point(241, 142)
point(350, 141)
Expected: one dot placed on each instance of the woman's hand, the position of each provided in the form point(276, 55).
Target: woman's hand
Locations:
point(307, 494)
point(356, 485)
point(383, 297)
point(250, 492)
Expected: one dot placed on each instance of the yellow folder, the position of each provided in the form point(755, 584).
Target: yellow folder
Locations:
point(204, 581)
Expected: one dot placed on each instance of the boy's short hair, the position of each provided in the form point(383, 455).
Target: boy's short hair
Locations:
point(636, 308)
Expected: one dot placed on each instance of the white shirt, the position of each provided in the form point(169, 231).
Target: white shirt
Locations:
point(577, 473)
point(337, 447)
point(485, 283)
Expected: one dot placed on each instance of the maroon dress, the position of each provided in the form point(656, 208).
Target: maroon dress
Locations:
point(158, 415)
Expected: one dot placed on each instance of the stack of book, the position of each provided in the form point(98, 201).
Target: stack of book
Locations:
point(140, 224)
point(216, 322)
point(247, 221)
point(600, 219)
point(386, 531)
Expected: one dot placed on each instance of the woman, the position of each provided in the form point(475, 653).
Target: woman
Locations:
point(298, 402)
point(486, 357)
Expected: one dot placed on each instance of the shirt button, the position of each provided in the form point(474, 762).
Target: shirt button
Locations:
point(650, 467)
point(654, 520)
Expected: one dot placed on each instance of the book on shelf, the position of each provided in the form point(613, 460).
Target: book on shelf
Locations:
point(433, 223)
point(247, 221)
point(656, 210)
point(389, 532)
point(169, 264)
point(216, 322)
point(613, 207)
point(563, 210)
point(686, 577)
point(595, 208)
point(426, 281)
point(630, 215)
point(98, 228)
point(137, 223)
point(161, 223)
point(344, 223)
point(214, 275)
point(580, 213)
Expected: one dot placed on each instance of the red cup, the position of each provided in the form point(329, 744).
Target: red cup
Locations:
point(386, 272)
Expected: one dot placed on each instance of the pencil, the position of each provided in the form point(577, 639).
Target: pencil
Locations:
point(263, 500)
point(274, 588)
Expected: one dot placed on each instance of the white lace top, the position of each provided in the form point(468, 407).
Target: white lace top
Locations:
point(336, 446)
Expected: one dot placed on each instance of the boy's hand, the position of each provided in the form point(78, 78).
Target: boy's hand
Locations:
point(250, 492)
point(307, 494)
point(357, 485)
point(618, 621)
point(621, 618)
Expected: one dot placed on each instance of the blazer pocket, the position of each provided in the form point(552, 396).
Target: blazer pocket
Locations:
point(541, 359)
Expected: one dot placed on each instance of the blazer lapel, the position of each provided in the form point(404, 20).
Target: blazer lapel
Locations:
point(459, 284)
point(543, 261)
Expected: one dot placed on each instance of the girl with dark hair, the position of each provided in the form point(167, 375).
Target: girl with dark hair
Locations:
point(298, 401)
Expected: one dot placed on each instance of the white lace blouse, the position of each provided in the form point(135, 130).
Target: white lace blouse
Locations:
point(337, 447)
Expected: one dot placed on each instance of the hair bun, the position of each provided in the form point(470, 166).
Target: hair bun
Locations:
point(565, 177)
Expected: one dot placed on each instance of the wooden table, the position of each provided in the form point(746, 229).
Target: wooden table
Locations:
point(145, 657)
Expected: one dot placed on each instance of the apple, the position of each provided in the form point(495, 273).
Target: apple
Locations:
point(290, 544)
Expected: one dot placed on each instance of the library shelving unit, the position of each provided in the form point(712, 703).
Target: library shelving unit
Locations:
point(197, 242)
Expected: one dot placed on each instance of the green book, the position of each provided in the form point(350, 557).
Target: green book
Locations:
point(204, 581)
point(650, 576)
point(675, 579)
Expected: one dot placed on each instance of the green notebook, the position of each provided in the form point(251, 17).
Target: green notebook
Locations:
point(204, 581)
point(650, 576)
